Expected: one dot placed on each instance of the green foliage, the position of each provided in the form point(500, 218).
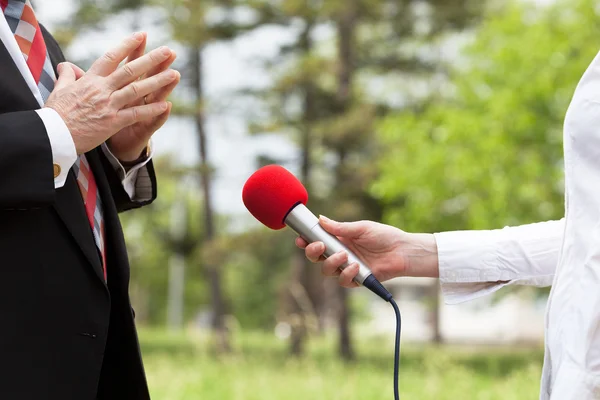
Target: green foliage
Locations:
point(255, 274)
point(151, 242)
point(487, 152)
point(180, 367)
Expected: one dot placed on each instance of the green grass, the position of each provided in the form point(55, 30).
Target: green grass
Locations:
point(182, 367)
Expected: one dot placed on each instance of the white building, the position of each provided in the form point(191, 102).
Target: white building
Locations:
point(516, 317)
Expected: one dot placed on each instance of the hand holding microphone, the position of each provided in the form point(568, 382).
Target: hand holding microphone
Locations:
point(388, 251)
point(277, 199)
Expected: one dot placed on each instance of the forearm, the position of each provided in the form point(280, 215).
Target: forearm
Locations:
point(421, 255)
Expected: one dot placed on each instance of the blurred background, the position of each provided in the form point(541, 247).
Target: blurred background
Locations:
point(430, 115)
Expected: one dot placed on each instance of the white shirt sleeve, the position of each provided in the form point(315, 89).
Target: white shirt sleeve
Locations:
point(64, 153)
point(475, 263)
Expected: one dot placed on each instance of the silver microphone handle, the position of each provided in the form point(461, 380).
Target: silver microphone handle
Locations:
point(306, 224)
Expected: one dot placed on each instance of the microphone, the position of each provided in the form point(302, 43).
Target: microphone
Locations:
point(276, 198)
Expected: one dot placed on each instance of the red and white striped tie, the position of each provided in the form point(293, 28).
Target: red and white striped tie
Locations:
point(23, 23)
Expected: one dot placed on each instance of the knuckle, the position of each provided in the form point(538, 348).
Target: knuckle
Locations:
point(128, 71)
point(111, 102)
point(111, 114)
point(100, 101)
point(135, 90)
point(110, 56)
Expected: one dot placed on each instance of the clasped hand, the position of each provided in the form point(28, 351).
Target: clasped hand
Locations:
point(122, 106)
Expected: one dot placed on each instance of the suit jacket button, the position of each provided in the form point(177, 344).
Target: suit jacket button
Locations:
point(56, 170)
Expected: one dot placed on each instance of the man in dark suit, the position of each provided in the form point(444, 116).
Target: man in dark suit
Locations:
point(73, 153)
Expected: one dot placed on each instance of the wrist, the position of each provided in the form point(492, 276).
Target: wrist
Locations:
point(132, 158)
point(143, 156)
point(421, 256)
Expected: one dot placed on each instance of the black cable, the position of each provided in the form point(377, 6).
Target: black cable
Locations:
point(397, 348)
point(376, 287)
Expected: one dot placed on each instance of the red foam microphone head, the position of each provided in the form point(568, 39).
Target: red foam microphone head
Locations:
point(270, 193)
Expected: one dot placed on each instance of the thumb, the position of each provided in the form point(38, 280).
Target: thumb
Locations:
point(66, 75)
point(78, 71)
point(342, 229)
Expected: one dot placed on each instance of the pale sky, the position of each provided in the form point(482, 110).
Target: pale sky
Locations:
point(227, 67)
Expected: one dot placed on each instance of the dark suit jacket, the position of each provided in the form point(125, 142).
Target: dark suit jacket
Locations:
point(65, 334)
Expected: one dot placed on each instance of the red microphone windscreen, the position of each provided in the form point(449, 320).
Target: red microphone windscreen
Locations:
point(270, 193)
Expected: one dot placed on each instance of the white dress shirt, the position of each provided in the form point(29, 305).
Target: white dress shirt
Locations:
point(61, 141)
point(564, 254)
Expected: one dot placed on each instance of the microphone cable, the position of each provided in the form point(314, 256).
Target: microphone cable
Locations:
point(376, 287)
point(396, 347)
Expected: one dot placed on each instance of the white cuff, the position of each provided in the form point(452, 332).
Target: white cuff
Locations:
point(64, 153)
point(475, 263)
point(128, 178)
point(468, 265)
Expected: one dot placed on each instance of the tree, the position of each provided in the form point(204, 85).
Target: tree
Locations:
point(192, 27)
point(488, 152)
point(296, 86)
point(152, 242)
point(372, 37)
point(337, 119)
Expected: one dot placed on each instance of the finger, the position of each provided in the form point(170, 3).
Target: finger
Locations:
point(109, 62)
point(163, 93)
point(133, 70)
point(342, 229)
point(163, 66)
point(138, 89)
point(66, 76)
point(301, 243)
point(331, 266)
point(314, 251)
point(155, 124)
point(78, 71)
point(347, 276)
point(138, 51)
point(129, 116)
point(160, 120)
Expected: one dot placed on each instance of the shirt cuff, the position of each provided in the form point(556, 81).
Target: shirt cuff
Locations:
point(476, 263)
point(128, 177)
point(468, 265)
point(64, 153)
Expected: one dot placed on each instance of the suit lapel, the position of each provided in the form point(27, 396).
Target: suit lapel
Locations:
point(75, 218)
point(14, 92)
point(54, 51)
point(73, 212)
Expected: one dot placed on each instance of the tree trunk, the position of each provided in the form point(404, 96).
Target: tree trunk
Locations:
point(435, 314)
point(304, 274)
point(214, 275)
point(345, 28)
point(345, 338)
point(298, 317)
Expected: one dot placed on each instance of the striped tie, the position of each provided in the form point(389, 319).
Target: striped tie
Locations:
point(23, 23)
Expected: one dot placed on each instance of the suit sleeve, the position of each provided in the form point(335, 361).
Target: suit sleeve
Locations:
point(120, 196)
point(25, 162)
